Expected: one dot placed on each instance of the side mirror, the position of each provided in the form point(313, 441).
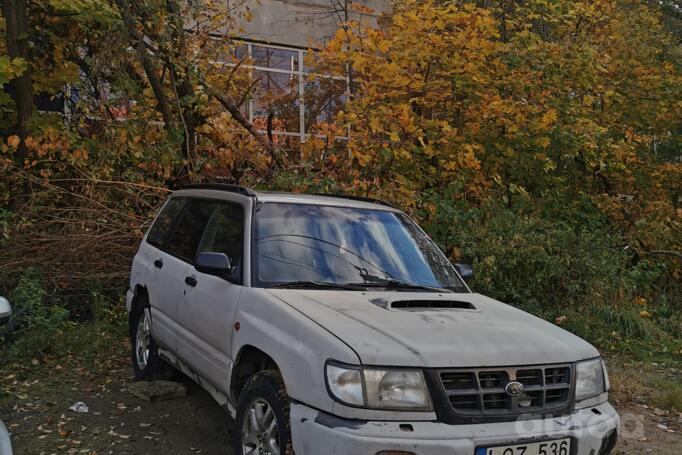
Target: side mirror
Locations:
point(5, 309)
point(217, 264)
point(465, 271)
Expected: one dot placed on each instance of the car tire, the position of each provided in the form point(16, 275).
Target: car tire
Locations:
point(147, 364)
point(263, 425)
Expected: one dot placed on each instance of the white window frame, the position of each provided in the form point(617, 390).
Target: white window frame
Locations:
point(301, 74)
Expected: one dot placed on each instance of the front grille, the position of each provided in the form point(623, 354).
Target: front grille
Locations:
point(529, 377)
point(480, 393)
point(459, 381)
point(493, 379)
point(465, 401)
point(495, 401)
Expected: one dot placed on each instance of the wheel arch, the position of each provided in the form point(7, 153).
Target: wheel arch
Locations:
point(249, 360)
point(140, 291)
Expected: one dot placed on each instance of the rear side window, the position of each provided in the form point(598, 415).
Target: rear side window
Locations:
point(185, 238)
point(164, 222)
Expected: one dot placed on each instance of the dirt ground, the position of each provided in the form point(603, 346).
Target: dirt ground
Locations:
point(35, 402)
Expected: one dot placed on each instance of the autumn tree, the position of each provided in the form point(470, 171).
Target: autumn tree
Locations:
point(544, 106)
point(516, 100)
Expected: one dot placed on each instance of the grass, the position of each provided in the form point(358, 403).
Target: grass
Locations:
point(669, 393)
point(656, 384)
point(631, 331)
point(671, 399)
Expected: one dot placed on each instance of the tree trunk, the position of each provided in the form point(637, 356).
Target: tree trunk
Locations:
point(15, 12)
point(184, 86)
point(150, 69)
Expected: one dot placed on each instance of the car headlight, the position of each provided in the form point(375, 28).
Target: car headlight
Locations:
point(590, 379)
point(378, 388)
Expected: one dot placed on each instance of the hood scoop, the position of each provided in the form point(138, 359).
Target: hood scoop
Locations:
point(417, 305)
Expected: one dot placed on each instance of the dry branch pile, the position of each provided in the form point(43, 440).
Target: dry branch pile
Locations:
point(81, 233)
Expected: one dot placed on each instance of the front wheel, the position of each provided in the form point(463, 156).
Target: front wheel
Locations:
point(263, 426)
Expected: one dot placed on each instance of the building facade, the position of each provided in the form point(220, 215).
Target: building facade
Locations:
point(287, 98)
point(304, 23)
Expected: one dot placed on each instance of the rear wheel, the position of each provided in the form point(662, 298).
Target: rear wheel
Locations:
point(263, 426)
point(146, 361)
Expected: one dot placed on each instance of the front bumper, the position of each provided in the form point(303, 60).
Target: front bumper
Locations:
point(314, 432)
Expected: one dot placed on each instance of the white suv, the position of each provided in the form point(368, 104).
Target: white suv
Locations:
point(332, 324)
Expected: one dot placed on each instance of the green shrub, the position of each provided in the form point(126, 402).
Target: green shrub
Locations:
point(37, 324)
point(554, 263)
point(41, 326)
point(536, 263)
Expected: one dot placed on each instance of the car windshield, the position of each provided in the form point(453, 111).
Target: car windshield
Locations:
point(315, 246)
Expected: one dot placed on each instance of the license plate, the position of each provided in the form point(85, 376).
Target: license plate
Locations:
point(553, 447)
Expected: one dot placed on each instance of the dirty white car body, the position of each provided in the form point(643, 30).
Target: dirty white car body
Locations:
point(365, 369)
point(5, 444)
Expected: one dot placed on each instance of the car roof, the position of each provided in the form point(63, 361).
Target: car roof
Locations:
point(337, 200)
point(333, 200)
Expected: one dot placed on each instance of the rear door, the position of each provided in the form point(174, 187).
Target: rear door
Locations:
point(160, 270)
point(209, 305)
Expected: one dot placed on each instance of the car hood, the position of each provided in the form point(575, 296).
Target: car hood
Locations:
point(484, 332)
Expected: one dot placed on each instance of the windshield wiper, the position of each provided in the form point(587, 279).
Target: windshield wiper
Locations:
point(399, 284)
point(318, 285)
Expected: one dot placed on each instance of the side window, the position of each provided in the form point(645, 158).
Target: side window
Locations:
point(225, 233)
point(164, 222)
point(185, 238)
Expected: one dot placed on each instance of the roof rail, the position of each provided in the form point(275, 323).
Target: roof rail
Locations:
point(246, 191)
point(356, 198)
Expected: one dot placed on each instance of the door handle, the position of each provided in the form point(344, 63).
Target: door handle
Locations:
point(191, 281)
point(158, 264)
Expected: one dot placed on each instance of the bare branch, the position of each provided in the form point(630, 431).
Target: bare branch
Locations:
point(234, 111)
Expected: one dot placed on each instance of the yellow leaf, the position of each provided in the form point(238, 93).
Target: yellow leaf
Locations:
point(13, 141)
point(543, 142)
point(548, 118)
point(560, 320)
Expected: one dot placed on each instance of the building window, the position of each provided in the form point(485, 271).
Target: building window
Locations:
point(286, 95)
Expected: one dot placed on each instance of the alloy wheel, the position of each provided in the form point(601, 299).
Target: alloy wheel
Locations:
point(143, 337)
point(260, 432)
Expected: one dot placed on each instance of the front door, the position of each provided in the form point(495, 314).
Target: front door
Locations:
point(176, 264)
point(209, 303)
